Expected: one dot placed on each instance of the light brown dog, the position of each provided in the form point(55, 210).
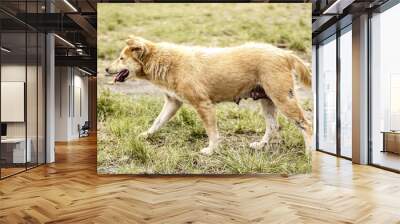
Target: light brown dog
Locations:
point(203, 77)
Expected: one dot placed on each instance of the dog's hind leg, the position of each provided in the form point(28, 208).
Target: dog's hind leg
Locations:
point(269, 112)
point(292, 110)
point(169, 109)
point(206, 111)
point(284, 98)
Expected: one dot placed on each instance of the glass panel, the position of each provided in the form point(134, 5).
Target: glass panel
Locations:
point(22, 88)
point(31, 99)
point(327, 95)
point(385, 84)
point(346, 92)
point(13, 86)
point(41, 99)
point(32, 89)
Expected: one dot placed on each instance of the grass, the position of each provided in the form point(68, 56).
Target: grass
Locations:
point(204, 24)
point(175, 148)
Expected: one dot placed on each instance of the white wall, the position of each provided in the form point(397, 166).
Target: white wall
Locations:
point(80, 88)
point(70, 83)
point(10, 72)
point(62, 81)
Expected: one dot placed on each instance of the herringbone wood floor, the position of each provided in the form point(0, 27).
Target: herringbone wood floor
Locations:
point(70, 191)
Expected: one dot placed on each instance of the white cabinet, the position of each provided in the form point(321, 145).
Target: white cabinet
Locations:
point(18, 149)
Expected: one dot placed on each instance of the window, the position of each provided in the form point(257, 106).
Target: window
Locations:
point(346, 92)
point(385, 89)
point(327, 95)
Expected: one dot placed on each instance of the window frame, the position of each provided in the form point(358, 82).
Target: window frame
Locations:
point(339, 32)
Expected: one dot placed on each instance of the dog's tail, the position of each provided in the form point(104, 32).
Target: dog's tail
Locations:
point(302, 70)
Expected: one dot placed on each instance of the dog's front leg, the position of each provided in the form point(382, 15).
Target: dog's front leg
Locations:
point(169, 109)
point(206, 111)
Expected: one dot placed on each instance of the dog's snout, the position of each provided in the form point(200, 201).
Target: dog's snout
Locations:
point(107, 70)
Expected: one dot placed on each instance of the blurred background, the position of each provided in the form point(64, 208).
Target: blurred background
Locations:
point(284, 25)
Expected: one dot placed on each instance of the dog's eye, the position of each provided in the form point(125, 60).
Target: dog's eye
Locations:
point(121, 58)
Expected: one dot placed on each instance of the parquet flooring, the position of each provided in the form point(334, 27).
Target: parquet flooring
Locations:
point(70, 191)
point(10, 171)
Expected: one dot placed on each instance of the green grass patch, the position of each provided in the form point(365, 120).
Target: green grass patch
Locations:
point(204, 24)
point(175, 148)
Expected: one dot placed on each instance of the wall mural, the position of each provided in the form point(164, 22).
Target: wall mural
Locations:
point(204, 88)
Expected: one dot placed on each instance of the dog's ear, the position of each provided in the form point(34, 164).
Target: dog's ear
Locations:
point(140, 49)
point(129, 41)
point(133, 46)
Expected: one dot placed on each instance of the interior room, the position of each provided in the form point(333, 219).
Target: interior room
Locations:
point(72, 104)
point(335, 75)
point(46, 82)
point(22, 98)
point(48, 117)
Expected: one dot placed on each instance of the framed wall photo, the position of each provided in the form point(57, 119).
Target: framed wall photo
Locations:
point(12, 101)
point(204, 88)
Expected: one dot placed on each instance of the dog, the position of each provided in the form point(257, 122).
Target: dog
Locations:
point(204, 77)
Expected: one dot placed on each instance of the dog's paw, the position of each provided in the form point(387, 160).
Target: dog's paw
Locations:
point(207, 151)
point(257, 145)
point(143, 135)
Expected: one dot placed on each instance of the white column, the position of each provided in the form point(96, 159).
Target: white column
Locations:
point(50, 94)
point(360, 90)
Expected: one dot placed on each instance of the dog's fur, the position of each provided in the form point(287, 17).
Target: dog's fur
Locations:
point(203, 77)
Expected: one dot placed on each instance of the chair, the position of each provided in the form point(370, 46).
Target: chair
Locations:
point(84, 130)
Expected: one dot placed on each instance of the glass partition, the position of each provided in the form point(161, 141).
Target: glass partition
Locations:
point(22, 101)
point(41, 97)
point(32, 98)
point(14, 153)
point(327, 95)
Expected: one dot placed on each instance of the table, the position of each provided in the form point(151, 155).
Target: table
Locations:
point(15, 148)
point(391, 141)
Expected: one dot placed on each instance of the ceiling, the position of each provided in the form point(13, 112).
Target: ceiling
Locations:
point(329, 15)
point(74, 22)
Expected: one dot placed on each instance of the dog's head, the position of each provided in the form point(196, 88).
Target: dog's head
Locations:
point(129, 64)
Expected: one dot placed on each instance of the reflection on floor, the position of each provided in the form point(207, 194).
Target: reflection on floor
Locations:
point(386, 159)
point(70, 191)
point(11, 169)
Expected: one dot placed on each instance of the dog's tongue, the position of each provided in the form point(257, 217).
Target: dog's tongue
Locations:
point(121, 76)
